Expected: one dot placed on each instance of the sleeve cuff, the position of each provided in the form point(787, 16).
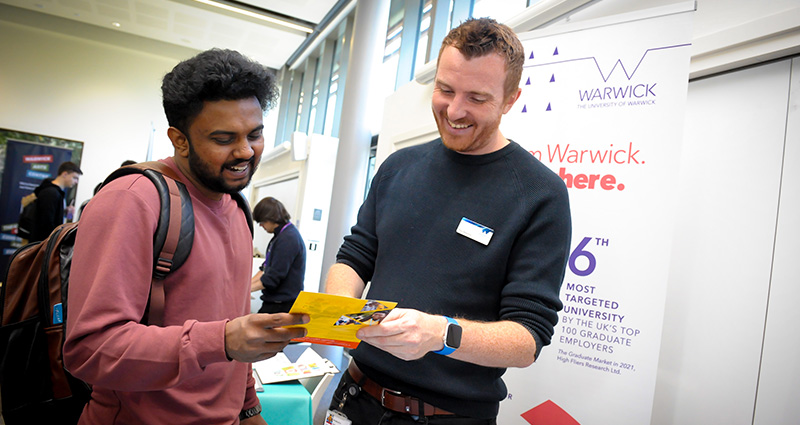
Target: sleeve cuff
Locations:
point(209, 339)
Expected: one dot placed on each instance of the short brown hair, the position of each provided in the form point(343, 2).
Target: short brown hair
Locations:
point(271, 209)
point(479, 37)
point(69, 167)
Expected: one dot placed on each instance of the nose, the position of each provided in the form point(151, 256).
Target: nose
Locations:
point(243, 149)
point(456, 109)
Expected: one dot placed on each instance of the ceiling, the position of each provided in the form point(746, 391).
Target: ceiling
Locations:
point(190, 24)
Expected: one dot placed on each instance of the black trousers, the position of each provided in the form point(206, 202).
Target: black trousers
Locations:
point(363, 409)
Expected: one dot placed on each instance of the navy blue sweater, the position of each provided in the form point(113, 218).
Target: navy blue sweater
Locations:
point(405, 242)
point(286, 266)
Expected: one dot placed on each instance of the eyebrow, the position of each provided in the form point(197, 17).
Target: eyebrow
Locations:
point(230, 133)
point(441, 83)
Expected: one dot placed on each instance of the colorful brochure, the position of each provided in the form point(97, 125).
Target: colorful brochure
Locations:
point(335, 319)
point(280, 369)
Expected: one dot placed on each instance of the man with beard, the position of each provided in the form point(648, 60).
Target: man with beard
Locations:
point(470, 234)
point(195, 368)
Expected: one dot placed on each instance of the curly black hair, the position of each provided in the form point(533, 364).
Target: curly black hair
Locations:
point(213, 75)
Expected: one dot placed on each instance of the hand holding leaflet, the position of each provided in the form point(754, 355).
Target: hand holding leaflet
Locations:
point(336, 319)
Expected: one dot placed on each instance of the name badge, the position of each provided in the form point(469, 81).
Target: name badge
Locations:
point(333, 417)
point(475, 231)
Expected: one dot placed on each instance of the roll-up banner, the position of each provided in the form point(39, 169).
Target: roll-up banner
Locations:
point(26, 165)
point(602, 105)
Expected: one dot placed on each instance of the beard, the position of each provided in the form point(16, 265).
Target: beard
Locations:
point(214, 180)
point(483, 137)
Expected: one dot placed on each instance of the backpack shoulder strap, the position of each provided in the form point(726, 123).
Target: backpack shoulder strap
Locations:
point(241, 201)
point(157, 166)
point(174, 235)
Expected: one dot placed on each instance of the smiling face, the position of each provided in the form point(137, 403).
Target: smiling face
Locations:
point(468, 101)
point(223, 147)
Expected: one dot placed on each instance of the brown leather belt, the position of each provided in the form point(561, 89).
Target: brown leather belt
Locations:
point(391, 399)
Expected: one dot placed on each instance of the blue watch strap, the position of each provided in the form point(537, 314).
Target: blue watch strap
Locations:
point(447, 350)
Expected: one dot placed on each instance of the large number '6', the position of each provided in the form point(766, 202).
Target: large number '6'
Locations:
point(581, 252)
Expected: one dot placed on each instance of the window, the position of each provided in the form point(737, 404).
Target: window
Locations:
point(391, 51)
point(422, 38)
point(296, 125)
point(373, 150)
point(330, 108)
point(314, 96)
point(430, 21)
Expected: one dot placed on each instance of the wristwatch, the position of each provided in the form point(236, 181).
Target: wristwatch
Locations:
point(451, 338)
point(249, 413)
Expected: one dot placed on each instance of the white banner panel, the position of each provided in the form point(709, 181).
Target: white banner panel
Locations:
point(602, 104)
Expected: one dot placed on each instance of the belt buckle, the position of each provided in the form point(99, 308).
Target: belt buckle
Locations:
point(394, 393)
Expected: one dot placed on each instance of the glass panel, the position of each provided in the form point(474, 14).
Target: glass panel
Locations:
point(329, 113)
point(460, 11)
point(370, 169)
point(314, 97)
point(391, 51)
point(299, 104)
point(330, 108)
point(422, 40)
point(450, 14)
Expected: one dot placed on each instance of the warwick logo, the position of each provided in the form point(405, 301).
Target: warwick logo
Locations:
point(630, 92)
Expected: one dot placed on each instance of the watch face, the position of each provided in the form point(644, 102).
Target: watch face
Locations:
point(453, 335)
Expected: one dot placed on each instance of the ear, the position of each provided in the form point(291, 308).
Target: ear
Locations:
point(179, 141)
point(511, 101)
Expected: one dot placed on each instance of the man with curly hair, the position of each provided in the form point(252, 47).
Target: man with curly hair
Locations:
point(195, 367)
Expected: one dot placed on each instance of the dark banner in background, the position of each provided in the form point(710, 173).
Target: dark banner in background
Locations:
point(25, 165)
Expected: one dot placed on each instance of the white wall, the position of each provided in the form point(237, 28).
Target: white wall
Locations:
point(412, 102)
point(718, 298)
point(303, 186)
point(779, 388)
point(66, 86)
point(315, 211)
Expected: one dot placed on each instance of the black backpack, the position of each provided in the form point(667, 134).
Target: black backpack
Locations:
point(34, 385)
